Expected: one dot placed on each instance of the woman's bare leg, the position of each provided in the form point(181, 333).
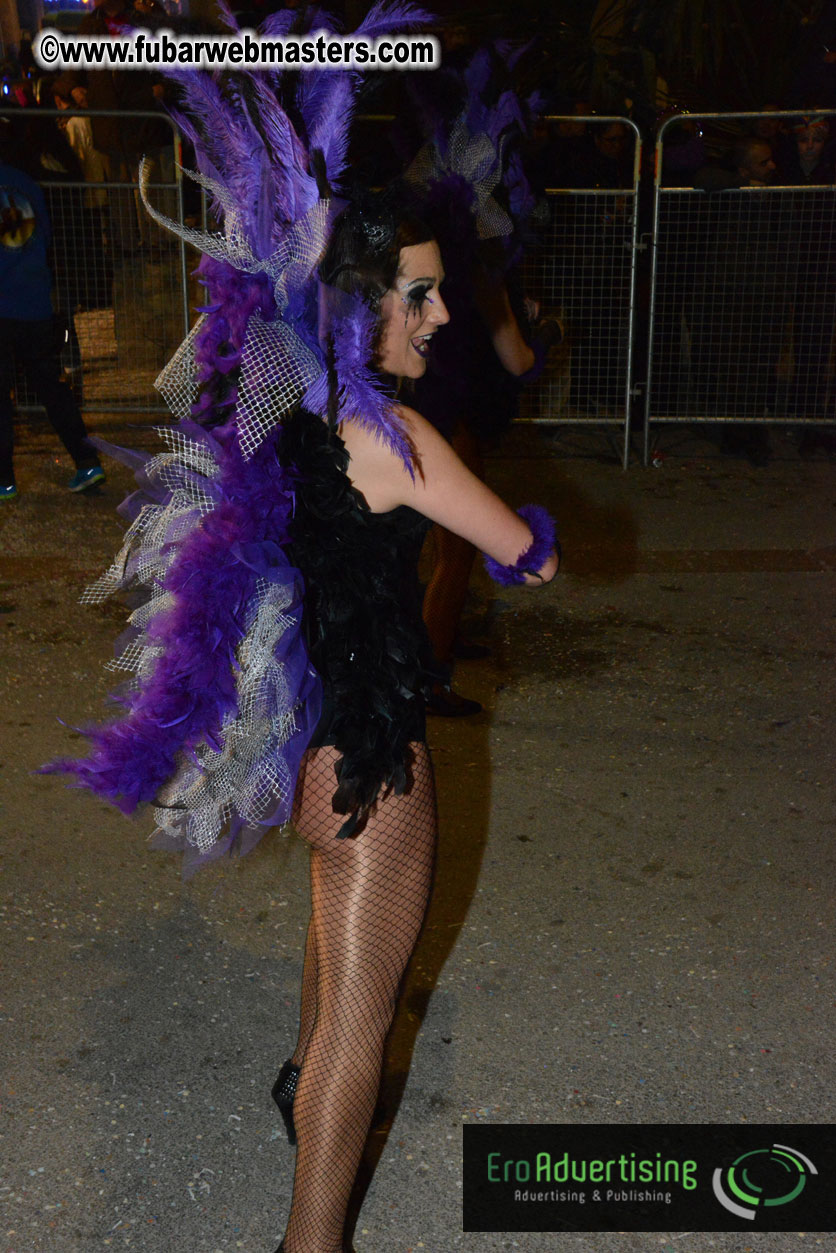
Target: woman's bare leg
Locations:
point(369, 897)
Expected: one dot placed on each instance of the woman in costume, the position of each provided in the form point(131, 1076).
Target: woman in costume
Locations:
point(370, 891)
point(278, 653)
point(475, 195)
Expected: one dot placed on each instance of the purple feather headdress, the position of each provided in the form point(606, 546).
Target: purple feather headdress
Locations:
point(222, 700)
point(478, 150)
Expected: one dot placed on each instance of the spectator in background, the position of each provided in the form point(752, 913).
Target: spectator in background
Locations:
point(571, 130)
point(556, 150)
point(606, 161)
point(590, 283)
point(737, 305)
point(753, 165)
point(694, 375)
point(25, 54)
point(122, 142)
point(79, 132)
point(808, 160)
point(27, 337)
point(807, 155)
point(683, 153)
point(83, 266)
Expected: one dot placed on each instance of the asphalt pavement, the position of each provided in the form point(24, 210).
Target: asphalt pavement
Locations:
point(633, 913)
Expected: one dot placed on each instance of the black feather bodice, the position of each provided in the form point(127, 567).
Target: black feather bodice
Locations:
point(365, 634)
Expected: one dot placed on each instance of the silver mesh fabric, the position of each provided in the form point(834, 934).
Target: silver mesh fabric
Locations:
point(185, 466)
point(276, 371)
point(151, 541)
point(139, 657)
point(177, 381)
point(197, 802)
point(298, 254)
point(231, 245)
point(276, 366)
point(475, 159)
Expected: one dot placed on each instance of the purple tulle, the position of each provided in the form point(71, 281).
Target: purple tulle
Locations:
point(542, 526)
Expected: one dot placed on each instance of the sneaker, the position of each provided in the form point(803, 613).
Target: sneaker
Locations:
point(8, 491)
point(83, 479)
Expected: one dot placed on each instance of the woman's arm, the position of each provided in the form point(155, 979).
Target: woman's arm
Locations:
point(515, 355)
point(443, 489)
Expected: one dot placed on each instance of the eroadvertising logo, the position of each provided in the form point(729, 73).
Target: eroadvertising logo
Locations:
point(762, 1177)
point(649, 1177)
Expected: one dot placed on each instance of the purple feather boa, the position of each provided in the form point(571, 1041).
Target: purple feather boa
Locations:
point(192, 689)
point(191, 692)
point(542, 527)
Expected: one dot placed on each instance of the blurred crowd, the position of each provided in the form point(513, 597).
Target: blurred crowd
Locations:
point(77, 148)
point(750, 282)
point(772, 304)
point(776, 148)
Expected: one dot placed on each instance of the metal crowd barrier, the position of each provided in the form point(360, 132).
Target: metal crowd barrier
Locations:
point(743, 289)
point(121, 291)
point(583, 268)
point(742, 309)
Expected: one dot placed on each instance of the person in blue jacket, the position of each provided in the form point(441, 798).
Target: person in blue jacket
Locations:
point(26, 329)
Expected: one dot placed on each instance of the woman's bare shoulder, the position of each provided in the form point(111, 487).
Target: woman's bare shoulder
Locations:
point(376, 467)
point(366, 438)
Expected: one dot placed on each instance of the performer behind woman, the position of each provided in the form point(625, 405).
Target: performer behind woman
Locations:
point(474, 194)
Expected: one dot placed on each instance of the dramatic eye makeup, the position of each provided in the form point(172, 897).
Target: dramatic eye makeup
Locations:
point(416, 294)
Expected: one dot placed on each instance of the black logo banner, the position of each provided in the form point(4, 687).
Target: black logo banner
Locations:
point(650, 1177)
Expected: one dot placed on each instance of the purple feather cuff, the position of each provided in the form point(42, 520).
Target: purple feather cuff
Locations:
point(542, 526)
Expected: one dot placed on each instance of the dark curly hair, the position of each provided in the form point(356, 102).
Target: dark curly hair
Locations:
point(363, 253)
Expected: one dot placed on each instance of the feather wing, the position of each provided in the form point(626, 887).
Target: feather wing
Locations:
point(390, 16)
point(329, 130)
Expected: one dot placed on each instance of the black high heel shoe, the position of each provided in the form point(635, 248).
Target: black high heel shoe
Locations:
point(283, 1093)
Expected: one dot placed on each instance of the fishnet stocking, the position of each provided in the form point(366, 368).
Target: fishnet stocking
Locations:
point(369, 895)
point(452, 563)
point(307, 1015)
